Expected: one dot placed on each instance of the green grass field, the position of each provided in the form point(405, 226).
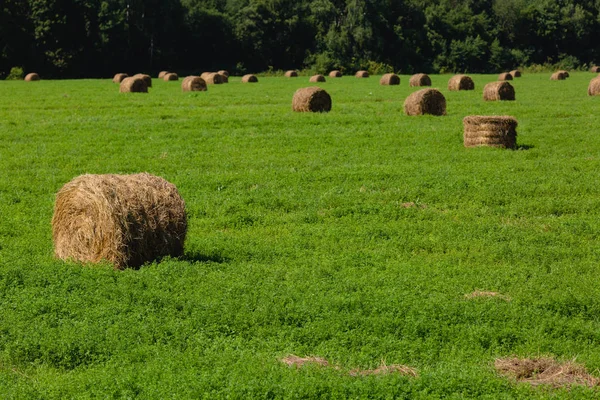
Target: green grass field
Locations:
point(353, 236)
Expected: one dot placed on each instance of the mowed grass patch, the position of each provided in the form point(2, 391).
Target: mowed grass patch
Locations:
point(352, 236)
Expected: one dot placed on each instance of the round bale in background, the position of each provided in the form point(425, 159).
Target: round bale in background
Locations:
point(559, 76)
point(461, 82)
point(224, 73)
point(505, 76)
point(127, 220)
point(389, 79)
point(291, 74)
point(146, 78)
point(212, 78)
point(32, 76)
point(311, 99)
point(224, 78)
point(594, 87)
point(425, 101)
point(335, 74)
point(162, 74)
point(193, 84)
point(500, 90)
point(419, 80)
point(515, 73)
point(361, 74)
point(595, 69)
point(170, 76)
point(118, 78)
point(317, 78)
point(133, 85)
point(249, 78)
point(494, 131)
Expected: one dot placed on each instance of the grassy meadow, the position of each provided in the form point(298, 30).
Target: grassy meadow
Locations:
point(353, 236)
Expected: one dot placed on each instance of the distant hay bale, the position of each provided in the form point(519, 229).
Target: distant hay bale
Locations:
point(419, 80)
point(335, 74)
point(595, 69)
point(594, 87)
point(162, 74)
point(118, 78)
point(32, 76)
point(515, 73)
point(317, 78)
point(223, 73)
point(133, 85)
point(249, 78)
point(224, 78)
point(389, 79)
point(425, 101)
point(505, 76)
point(461, 82)
point(291, 74)
point(559, 76)
point(212, 78)
point(146, 78)
point(500, 90)
point(566, 73)
point(127, 220)
point(170, 76)
point(361, 74)
point(204, 75)
point(494, 131)
point(193, 84)
point(311, 99)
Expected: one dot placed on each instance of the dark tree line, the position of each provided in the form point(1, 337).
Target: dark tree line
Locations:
point(92, 38)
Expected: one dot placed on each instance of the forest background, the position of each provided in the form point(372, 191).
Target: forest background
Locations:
point(97, 38)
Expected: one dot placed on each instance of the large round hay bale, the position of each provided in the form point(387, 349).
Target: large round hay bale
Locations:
point(505, 76)
point(224, 78)
point(146, 78)
point(212, 78)
point(419, 80)
point(133, 85)
point(311, 99)
point(559, 76)
point(515, 73)
point(425, 101)
point(170, 76)
point(500, 90)
point(291, 74)
point(162, 74)
point(335, 74)
point(461, 82)
point(32, 76)
point(127, 220)
point(317, 78)
point(594, 87)
point(389, 79)
point(595, 69)
point(492, 131)
point(361, 74)
point(118, 78)
point(193, 84)
point(249, 78)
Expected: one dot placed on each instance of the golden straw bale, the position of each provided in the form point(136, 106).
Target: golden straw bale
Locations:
point(127, 220)
point(224, 73)
point(389, 79)
point(193, 84)
point(162, 74)
point(495, 131)
point(118, 78)
point(595, 69)
point(594, 87)
point(170, 76)
point(505, 76)
point(419, 80)
point(249, 78)
point(515, 73)
point(425, 101)
point(145, 78)
point(133, 85)
point(291, 74)
point(212, 78)
point(461, 82)
point(500, 90)
point(32, 76)
point(559, 76)
point(313, 99)
point(335, 74)
point(317, 78)
point(361, 74)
